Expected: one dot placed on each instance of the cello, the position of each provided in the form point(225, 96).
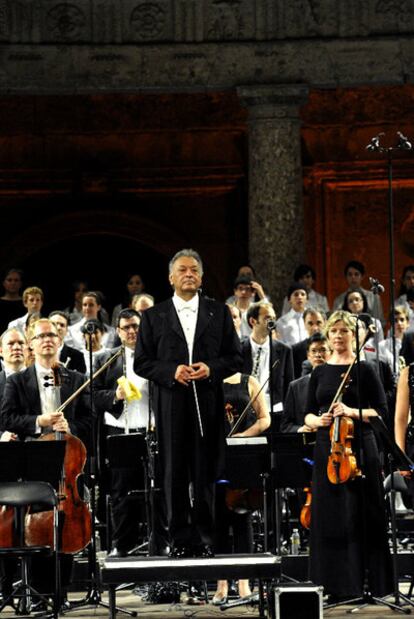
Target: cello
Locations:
point(75, 524)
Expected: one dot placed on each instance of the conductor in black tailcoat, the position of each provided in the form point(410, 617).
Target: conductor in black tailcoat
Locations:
point(187, 346)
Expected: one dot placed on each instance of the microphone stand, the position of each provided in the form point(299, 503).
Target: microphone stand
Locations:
point(377, 289)
point(93, 596)
point(375, 146)
point(276, 508)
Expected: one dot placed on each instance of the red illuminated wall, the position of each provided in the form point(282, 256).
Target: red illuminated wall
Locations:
point(346, 187)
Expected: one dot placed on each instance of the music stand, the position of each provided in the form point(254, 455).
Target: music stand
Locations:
point(32, 461)
point(129, 451)
point(292, 461)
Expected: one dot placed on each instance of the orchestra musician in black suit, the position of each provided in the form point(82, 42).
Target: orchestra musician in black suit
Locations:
point(255, 351)
point(294, 410)
point(118, 416)
point(29, 408)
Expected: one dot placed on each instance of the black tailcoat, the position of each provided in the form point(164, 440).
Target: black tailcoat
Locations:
point(161, 347)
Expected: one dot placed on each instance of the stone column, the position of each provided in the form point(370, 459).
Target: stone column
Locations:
point(276, 239)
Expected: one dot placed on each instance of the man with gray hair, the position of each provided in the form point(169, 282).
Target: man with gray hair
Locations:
point(187, 346)
point(12, 346)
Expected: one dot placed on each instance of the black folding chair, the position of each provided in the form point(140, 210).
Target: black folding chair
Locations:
point(19, 496)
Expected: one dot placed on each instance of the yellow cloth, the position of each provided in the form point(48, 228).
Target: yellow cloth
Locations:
point(131, 391)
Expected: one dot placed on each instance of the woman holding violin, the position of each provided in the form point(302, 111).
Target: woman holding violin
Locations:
point(234, 507)
point(337, 516)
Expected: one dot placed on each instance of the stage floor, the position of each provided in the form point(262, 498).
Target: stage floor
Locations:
point(130, 601)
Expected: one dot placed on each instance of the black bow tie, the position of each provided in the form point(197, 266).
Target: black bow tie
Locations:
point(48, 381)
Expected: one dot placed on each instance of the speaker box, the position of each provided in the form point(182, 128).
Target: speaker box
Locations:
point(298, 601)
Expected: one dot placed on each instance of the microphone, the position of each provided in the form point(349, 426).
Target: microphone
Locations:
point(271, 325)
point(403, 143)
point(374, 144)
point(376, 287)
point(90, 327)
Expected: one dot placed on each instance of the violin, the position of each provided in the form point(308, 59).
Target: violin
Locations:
point(240, 500)
point(75, 525)
point(342, 463)
point(305, 512)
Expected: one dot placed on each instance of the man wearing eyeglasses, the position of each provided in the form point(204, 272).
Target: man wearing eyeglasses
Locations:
point(294, 411)
point(120, 417)
point(29, 408)
point(30, 403)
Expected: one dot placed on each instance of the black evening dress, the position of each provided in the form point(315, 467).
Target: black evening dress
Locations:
point(337, 556)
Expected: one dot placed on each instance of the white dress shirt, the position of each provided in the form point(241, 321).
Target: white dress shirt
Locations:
point(48, 392)
point(291, 328)
point(187, 315)
point(136, 411)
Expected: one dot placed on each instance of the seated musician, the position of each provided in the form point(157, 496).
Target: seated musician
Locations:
point(294, 409)
point(239, 390)
point(12, 345)
point(29, 409)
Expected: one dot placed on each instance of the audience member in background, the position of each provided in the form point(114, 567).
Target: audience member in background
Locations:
point(407, 283)
point(93, 331)
point(410, 306)
point(243, 298)
point(75, 311)
point(11, 301)
point(237, 318)
point(407, 345)
point(291, 326)
point(255, 350)
point(294, 410)
point(314, 323)
point(258, 294)
point(356, 302)
point(33, 301)
point(354, 273)
point(134, 286)
point(401, 322)
point(141, 302)
point(305, 274)
point(91, 310)
point(70, 357)
point(365, 327)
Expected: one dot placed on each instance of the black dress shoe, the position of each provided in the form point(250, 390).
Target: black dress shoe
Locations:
point(204, 551)
point(180, 551)
point(116, 553)
point(40, 606)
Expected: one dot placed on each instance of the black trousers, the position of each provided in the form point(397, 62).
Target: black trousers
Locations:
point(185, 460)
